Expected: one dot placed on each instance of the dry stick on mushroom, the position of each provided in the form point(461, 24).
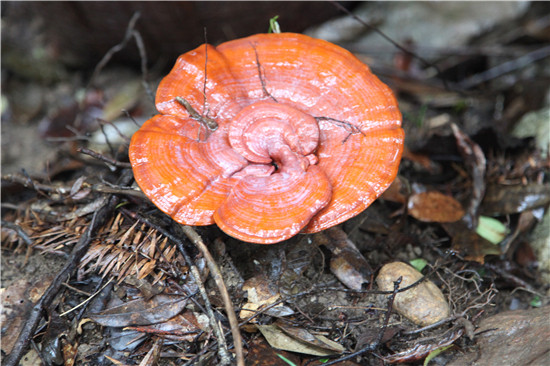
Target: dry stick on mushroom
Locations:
point(352, 129)
point(260, 75)
point(204, 120)
point(216, 274)
point(81, 247)
point(207, 122)
point(205, 105)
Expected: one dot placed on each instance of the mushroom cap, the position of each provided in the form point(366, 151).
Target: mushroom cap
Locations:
point(307, 137)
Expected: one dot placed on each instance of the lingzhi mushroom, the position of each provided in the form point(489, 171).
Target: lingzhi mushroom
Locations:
point(268, 136)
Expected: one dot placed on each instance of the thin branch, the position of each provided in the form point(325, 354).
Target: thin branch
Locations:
point(22, 234)
point(348, 126)
point(394, 43)
point(144, 73)
point(195, 238)
point(103, 158)
point(116, 48)
point(205, 106)
point(209, 123)
point(218, 278)
point(372, 346)
point(262, 81)
point(505, 68)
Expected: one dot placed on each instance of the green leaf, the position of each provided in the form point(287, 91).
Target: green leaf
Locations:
point(435, 353)
point(536, 302)
point(286, 360)
point(124, 203)
point(491, 229)
point(418, 263)
point(274, 25)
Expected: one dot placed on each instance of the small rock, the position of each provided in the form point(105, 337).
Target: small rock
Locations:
point(423, 304)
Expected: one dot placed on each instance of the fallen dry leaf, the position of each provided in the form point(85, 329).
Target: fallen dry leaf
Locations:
point(468, 243)
point(279, 339)
point(434, 206)
point(261, 293)
point(141, 312)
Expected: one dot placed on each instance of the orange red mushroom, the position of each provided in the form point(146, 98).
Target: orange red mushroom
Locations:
point(268, 136)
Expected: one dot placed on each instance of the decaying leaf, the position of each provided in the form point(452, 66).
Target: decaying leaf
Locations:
point(15, 305)
point(475, 161)
point(434, 206)
point(260, 353)
point(316, 345)
point(504, 200)
point(468, 243)
point(141, 312)
point(182, 327)
point(261, 292)
point(124, 99)
point(491, 229)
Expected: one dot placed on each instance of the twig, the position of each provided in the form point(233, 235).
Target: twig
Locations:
point(103, 158)
point(195, 238)
point(218, 278)
point(352, 129)
point(88, 299)
point(144, 73)
point(208, 122)
point(262, 81)
point(27, 182)
point(394, 43)
point(475, 160)
point(372, 346)
point(40, 187)
point(205, 106)
point(22, 234)
point(128, 191)
point(81, 247)
point(505, 68)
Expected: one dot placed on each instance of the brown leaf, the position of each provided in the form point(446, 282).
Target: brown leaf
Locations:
point(434, 206)
point(17, 301)
point(504, 200)
point(395, 192)
point(468, 243)
point(141, 312)
point(261, 292)
point(476, 163)
point(260, 353)
point(277, 338)
point(305, 336)
point(183, 327)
